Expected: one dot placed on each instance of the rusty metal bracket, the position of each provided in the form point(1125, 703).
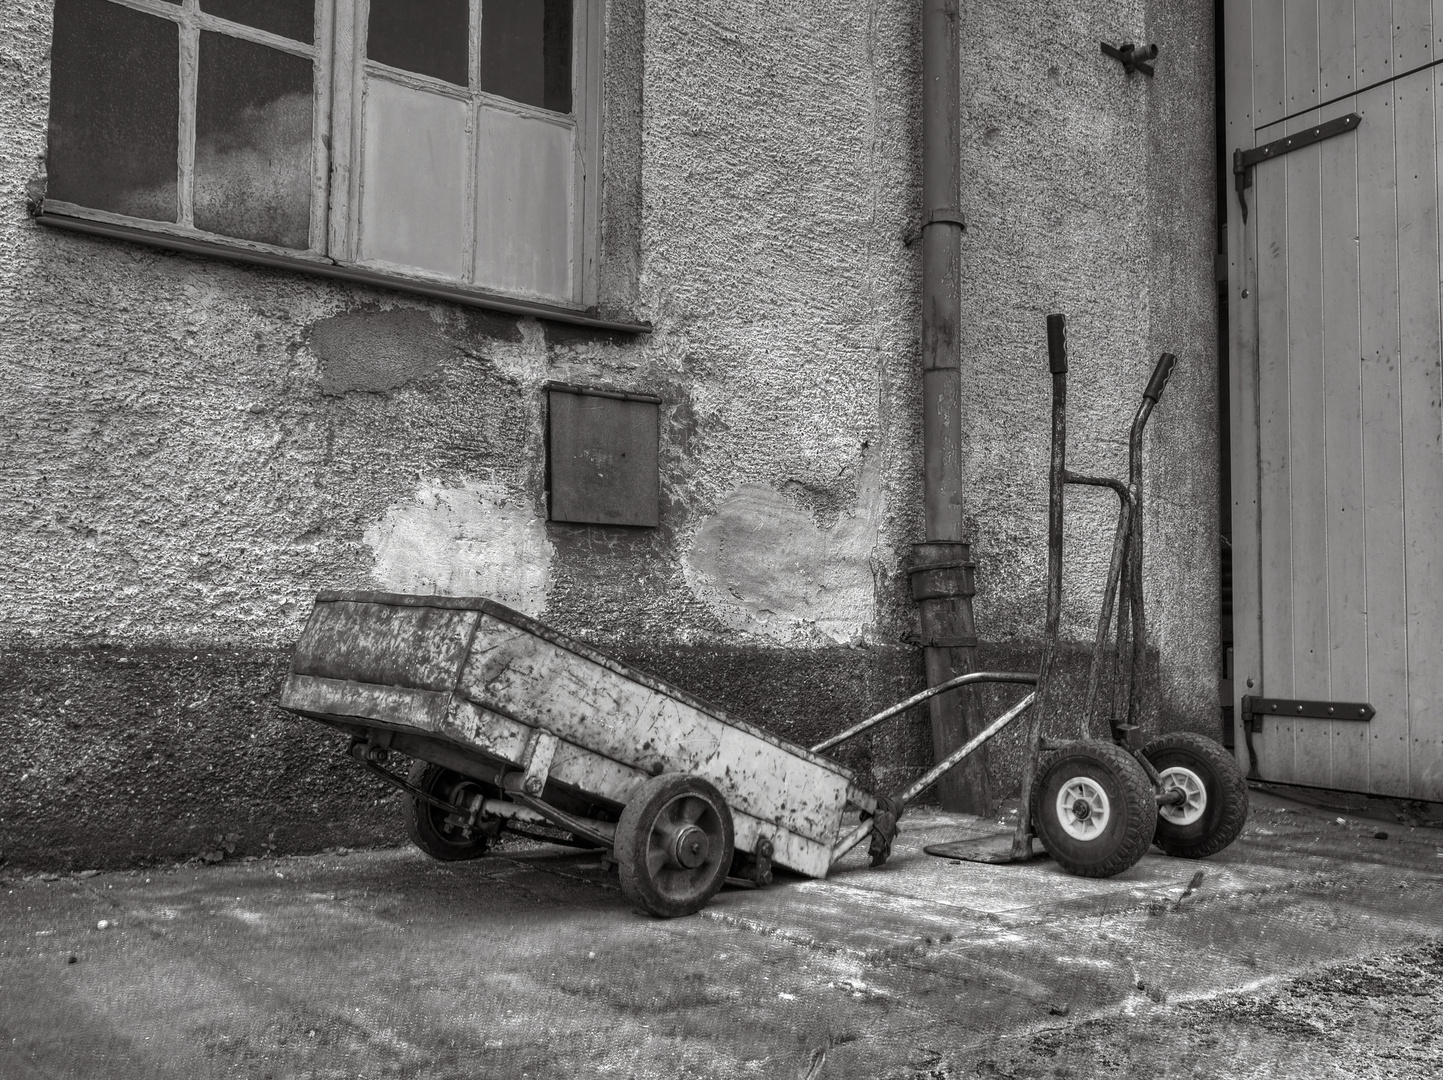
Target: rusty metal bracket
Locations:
point(1244, 160)
point(1317, 710)
point(1132, 56)
point(538, 761)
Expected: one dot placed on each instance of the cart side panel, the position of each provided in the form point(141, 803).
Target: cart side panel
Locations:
point(543, 685)
point(424, 710)
point(795, 852)
point(578, 768)
point(417, 647)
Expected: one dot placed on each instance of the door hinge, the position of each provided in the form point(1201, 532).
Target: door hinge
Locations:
point(1318, 710)
point(1244, 160)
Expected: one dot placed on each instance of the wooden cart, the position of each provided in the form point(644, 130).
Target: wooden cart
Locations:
point(515, 726)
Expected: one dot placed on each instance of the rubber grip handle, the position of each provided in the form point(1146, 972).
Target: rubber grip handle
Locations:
point(1057, 343)
point(1160, 376)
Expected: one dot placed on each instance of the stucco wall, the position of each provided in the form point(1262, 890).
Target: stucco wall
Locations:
point(192, 448)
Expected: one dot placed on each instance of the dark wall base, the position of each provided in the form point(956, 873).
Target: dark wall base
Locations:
point(126, 756)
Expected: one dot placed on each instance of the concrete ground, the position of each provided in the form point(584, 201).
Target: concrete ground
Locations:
point(1311, 947)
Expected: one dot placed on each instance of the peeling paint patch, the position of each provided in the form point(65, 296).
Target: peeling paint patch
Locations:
point(376, 351)
point(766, 567)
point(474, 540)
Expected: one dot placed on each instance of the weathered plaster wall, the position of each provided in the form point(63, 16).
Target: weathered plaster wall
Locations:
point(192, 448)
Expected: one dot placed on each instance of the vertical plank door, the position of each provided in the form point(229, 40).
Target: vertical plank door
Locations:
point(1337, 390)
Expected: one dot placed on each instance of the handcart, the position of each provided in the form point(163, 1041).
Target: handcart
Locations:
point(514, 726)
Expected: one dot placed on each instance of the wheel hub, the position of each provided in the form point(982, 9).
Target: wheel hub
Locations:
point(689, 847)
point(1083, 809)
point(1194, 795)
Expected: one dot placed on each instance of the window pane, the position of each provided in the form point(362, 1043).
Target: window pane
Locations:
point(413, 181)
point(294, 19)
point(253, 142)
point(114, 92)
point(526, 51)
point(523, 204)
point(428, 37)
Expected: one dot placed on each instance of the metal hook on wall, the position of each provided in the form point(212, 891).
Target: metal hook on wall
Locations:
point(1133, 57)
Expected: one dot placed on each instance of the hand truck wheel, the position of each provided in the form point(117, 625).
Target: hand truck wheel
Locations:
point(674, 845)
point(1215, 804)
point(1093, 808)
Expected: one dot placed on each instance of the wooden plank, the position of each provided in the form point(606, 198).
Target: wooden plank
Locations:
point(1412, 35)
point(540, 684)
point(1301, 67)
point(1268, 62)
point(1306, 410)
point(418, 647)
point(588, 76)
point(1373, 43)
point(1243, 372)
point(1274, 462)
point(1382, 435)
point(321, 125)
point(1421, 387)
point(1426, 734)
point(1342, 440)
point(1335, 48)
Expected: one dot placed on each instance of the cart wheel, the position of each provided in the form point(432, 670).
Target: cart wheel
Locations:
point(674, 845)
point(1217, 795)
point(426, 824)
point(1093, 808)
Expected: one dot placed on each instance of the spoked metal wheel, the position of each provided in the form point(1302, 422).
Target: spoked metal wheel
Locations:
point(674, 845)
point(439, 833)
point(1093, 808)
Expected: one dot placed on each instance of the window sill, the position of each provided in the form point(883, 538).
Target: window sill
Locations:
point(455, 294)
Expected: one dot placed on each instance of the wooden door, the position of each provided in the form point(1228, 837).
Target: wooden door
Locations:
point(1337, 390)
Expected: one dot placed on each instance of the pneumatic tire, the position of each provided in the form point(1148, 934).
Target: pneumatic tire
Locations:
point(1216, 807)
point(1093, 808)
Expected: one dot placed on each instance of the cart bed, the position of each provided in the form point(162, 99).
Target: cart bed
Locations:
point(473, 674)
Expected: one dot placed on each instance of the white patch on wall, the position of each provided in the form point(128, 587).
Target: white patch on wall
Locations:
point(765, 566)
point(474, 540)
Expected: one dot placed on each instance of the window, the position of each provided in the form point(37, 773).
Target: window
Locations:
point(448, 141)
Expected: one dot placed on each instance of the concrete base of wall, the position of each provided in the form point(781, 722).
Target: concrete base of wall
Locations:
point(126, 756)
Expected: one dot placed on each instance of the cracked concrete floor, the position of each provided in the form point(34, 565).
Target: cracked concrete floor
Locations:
point(1310, 948)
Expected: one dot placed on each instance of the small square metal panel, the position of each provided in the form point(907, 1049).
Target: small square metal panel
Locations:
point(602, 457)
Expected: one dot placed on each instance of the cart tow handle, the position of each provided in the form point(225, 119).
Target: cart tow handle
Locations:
point(861, 831)
point(916, 699)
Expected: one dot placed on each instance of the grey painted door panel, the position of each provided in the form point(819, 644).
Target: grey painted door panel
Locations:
point(1345, 364)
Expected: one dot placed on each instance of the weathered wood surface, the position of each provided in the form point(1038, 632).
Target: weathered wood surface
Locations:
point(1337, 411)
point(484, 677)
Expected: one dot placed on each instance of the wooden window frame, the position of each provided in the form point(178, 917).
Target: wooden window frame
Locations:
point(340, 69)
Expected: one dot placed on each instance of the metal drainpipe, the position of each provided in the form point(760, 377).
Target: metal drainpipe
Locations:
point(942, 572)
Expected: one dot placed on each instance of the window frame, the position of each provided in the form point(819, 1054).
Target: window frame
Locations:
point(340, 73)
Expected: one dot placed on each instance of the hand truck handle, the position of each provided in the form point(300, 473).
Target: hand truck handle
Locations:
point(1160, 375)
point(1057, 344)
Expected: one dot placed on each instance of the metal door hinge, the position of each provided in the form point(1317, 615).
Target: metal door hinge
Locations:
point(1318, 710)
point(1244, 160)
